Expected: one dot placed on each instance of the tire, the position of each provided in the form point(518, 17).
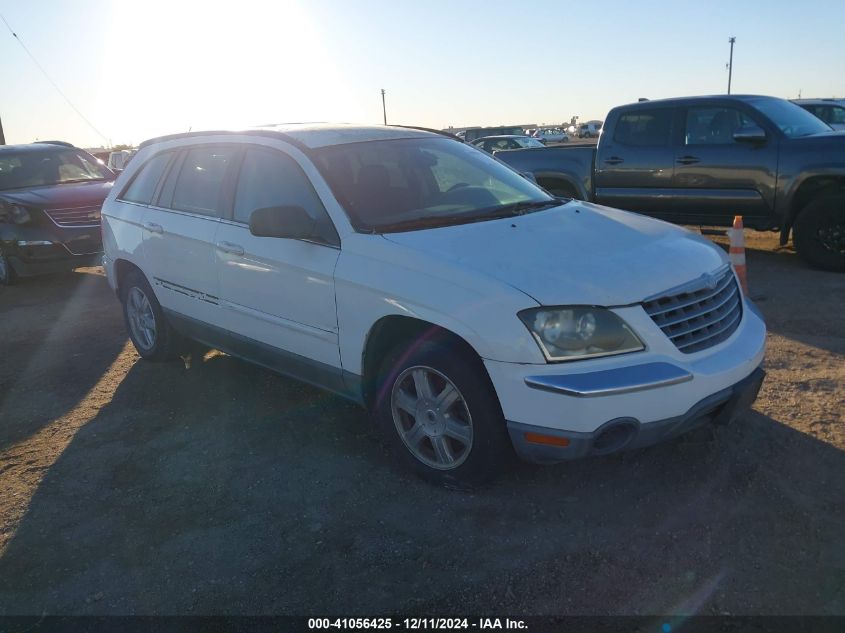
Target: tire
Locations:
point(469, 430)
point(819, 233)
point(151, 334)
point(7, 273)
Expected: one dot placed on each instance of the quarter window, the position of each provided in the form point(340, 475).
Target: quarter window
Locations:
point(644, 128)
point(200, 183)
point(714, 126)
point(143, 186)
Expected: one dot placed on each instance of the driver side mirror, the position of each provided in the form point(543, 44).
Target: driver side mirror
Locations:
point(292, 222)
point(750, 134)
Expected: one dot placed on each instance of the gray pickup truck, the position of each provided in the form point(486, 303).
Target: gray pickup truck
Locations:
point(703, 160)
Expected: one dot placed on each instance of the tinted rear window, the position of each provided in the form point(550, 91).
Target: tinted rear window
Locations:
point(643, 128)
point(200, 181)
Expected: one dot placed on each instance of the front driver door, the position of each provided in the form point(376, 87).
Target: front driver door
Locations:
point(276, 292)
point(717, 177)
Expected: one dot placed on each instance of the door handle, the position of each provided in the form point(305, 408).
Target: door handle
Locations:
point(152, 227)
point(688, 160)
point(613, 160)
point(228, 247)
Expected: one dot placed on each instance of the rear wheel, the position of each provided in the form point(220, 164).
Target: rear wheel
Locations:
point(7, 273)
point(441, 415)
point(148, 328)
point(819, 233)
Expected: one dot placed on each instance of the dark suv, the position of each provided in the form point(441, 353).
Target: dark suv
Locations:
point(50, 199)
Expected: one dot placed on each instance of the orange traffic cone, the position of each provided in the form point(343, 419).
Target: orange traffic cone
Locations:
point(736, 253)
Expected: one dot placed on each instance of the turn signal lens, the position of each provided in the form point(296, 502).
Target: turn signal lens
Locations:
point(550, 440)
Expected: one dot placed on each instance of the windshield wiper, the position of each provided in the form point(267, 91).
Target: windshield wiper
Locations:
point(503, 211)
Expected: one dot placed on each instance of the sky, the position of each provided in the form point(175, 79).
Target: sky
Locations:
point(137, 69)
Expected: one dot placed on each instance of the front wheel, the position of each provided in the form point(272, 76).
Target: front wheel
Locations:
point(441, 415)
point(151, 334)
point(819, 233)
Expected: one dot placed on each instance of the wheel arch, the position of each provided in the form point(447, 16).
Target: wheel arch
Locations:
point(123, 267)
point(552, 180)
point(393, 330)
point(808, 190)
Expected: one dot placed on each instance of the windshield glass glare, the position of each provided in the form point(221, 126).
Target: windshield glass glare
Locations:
point(404, 184)
point(793, 120)
point(39, 168)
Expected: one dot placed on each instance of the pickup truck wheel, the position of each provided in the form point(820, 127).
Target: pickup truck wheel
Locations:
point(7, 273)
point(151, 334)
point(819, 233)
point(441, 415)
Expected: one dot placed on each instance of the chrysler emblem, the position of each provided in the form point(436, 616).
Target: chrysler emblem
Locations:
point(711, 281)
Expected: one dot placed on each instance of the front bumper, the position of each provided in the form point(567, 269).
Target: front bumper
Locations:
point(34, 249)
point(629, 433)
point(661, 385)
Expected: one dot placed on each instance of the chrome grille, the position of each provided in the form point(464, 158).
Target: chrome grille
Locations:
point(79, 216)
point(701, 316)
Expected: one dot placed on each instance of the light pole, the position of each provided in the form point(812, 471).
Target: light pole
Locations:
point(383, 107)
point(731, 63)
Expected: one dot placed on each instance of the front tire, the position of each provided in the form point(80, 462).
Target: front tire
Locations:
point(151, 334)
point(819, 233)
point(441, 416)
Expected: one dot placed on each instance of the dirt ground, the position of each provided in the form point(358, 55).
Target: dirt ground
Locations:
point(221, 488)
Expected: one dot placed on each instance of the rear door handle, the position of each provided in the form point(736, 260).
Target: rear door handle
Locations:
point(228, 247)
point(688, 160)
point(152, 227)
point(613, 160)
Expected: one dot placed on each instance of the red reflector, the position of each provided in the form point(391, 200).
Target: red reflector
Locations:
point(551, 440)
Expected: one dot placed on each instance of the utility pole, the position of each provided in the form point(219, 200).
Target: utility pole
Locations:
point(731, 63)
point(2, 136)
point(383, 107)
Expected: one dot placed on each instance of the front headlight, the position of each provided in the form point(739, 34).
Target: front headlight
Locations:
point(13, 213)
point(574, 332)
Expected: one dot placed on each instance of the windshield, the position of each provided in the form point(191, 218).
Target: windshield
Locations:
point(400, 185)
point(791, 119)
point(34, 168)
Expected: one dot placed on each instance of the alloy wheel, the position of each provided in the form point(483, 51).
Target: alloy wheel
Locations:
point(141, 318)
point(432, 417)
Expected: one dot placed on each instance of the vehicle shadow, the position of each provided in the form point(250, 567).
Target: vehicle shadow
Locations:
point(222, 488)
point(56, 340)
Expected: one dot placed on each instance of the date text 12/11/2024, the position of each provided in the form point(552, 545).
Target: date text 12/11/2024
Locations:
point(417, 624)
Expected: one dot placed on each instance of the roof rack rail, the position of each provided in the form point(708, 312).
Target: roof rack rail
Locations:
point(432, 130)
point(62, 143)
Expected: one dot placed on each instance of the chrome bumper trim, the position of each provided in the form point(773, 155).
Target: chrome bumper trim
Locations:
point(611, 382)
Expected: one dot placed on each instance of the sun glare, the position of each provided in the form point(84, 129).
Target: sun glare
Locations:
point(171, 66)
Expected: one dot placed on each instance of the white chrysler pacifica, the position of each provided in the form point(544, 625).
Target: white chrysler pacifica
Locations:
point(472, 313)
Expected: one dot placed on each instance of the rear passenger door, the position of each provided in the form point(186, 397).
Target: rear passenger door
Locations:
point(634, 168)
point(279, 292)
point(179, 231)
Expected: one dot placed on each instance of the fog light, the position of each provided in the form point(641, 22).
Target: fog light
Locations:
point(550, 440)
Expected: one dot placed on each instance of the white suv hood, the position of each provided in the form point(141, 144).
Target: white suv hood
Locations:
point(578, 253)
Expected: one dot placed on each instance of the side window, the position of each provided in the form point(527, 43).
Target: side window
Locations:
point(836, 114)
point(270, 178)
point(143, 185)
point(643, 128)
point(714, 126)
point(200, 181)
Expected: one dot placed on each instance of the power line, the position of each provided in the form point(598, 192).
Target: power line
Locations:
point(52, 83)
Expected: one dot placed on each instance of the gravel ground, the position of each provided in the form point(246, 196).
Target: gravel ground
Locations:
point(216, 487)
